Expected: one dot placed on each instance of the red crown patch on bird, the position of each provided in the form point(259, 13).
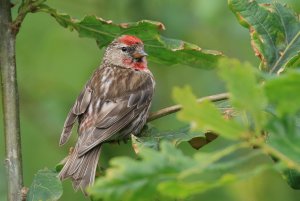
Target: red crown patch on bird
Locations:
point(130, 40)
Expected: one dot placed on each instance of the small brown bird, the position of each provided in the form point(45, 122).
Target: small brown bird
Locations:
point(114, 103)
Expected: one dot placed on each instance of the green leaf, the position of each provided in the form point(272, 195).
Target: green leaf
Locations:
point(161, 49)
point(130, 179)
point(45, 186)
point(205, 116)
point(292, 177)
point(284, 136)
point(151, 137)
point(283, 129)
point(170, 174)
point(215, 169)
point(283, 92)
point(246, 94)
point(274, 29)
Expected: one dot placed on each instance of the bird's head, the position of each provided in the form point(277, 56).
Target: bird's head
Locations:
point(127, 51)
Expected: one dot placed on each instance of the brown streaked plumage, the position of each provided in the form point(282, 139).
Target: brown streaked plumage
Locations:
point(113, 104)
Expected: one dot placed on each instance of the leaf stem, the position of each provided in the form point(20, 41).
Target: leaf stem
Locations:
point(10, 100)
point(273, 152)
point(175, 108)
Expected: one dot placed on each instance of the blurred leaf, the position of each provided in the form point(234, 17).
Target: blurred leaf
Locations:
point(205, 116)
point(45, 186)
point(161, 49)
point(274, 30)
point(198, 142)
point(292, 177)
point(283, 131)
point(245, 93)
point(151, 137)
point(283, 92)
point(170, 174)
point(130, 179)
point(284, 137)
point(284, 141)
point(212, 172)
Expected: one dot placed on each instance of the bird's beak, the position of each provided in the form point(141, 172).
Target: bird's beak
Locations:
point(139, 54)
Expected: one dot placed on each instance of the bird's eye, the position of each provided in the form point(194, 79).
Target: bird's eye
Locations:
point(124, 49)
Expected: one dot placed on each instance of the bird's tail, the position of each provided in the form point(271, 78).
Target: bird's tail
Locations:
point(81, 169)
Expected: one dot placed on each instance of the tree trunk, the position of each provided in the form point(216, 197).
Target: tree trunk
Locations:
point(10, 103)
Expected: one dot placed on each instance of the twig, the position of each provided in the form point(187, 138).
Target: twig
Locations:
point(10, 100)
point(25, 8)
point(175, 108)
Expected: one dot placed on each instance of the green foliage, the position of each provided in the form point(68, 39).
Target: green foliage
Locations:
point(151, 137)
point(204, 116)
point(168, 174)
point(282, 93)
point(130, 179)
point(284, 135)
point(274, 30)
point(245, 92)
point(45, 186)
point(161, 49)
point(284, 142)
point(292, 177)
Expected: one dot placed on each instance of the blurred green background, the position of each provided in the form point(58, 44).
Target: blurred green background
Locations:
point(53, 65)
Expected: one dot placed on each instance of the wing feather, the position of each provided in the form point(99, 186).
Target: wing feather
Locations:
point(121, 114)
point(80, 106)
point(102, 111)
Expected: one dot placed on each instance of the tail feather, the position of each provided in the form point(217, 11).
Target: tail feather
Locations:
point(89, 172)
point(81, 169)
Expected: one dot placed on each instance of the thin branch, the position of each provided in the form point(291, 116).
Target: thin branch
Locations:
point(175, 108)
point(25, 8)
point(10, 101)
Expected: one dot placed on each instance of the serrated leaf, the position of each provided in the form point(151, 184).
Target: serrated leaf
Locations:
point(170, 174)
point(214, 171)
point(283, 92)
point(130, 179)
point(205, 116)
point(161, 49)
point(45, 186)
point(274, 29)
point(246, 94)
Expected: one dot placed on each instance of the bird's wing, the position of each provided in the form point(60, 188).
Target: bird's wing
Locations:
point(113, 116)
point(81, 104)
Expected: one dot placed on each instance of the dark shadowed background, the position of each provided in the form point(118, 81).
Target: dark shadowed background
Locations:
point(53, 65)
